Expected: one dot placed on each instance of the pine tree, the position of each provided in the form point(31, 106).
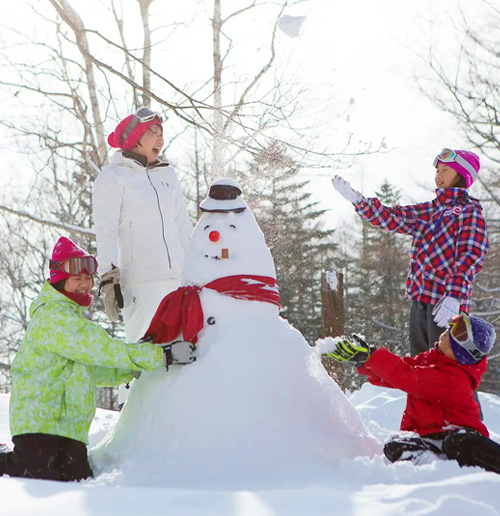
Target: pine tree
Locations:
point(485, 300)
point(375, 282)
point(291, 222)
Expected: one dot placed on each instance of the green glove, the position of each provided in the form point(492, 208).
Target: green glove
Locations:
point(356, 351)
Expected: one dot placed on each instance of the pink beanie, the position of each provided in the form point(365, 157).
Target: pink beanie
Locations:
point(115, 139)
point(63, 250)
point(472, 159)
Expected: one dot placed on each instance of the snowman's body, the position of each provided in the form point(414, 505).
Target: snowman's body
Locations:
point(257, 405)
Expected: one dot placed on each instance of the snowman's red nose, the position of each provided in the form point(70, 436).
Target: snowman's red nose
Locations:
point(214, 236)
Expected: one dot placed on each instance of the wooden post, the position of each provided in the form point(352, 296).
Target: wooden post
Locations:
point(332, 301)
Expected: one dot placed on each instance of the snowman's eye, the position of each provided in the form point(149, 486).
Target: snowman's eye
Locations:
point(206, 227)
point(232, 226)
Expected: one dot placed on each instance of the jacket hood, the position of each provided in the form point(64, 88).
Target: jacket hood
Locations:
point(49, 294)
point(475, 371)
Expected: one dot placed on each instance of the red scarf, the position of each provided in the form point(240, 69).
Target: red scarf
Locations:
point(182, 307)
point(77, 297)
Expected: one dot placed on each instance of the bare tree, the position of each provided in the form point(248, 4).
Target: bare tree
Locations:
point(76, 78)
point(466, 86)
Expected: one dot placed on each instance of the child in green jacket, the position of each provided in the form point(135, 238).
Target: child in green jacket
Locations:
point(62, 360)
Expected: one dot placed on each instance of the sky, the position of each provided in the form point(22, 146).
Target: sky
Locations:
point(356, 62)
point(372, 51)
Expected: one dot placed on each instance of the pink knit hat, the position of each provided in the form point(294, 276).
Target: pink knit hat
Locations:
point(465, 163)
point(64, 250)
point(115, 139)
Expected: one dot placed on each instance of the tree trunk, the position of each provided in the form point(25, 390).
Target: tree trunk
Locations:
point(217, 160)
point(332, 300)
point(146, 56)
point(76, 24)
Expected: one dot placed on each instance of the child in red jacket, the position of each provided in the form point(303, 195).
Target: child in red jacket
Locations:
point(440, 384)
point(448, 247)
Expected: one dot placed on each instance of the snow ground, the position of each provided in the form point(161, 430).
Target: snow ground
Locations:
point(358, 487)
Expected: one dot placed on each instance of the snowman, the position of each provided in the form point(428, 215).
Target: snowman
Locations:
point(257, 407)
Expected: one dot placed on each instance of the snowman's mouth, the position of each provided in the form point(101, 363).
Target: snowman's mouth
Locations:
point(224, 255)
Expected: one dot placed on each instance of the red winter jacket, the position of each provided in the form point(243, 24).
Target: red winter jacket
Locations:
point(440, 390)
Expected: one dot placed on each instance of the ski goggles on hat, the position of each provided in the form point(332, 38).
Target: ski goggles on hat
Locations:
point(75, 266)
point(461, 332)
point(141, 116)
point(450, 156)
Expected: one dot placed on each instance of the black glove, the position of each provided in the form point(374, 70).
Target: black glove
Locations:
point(357, 352)
point(178, 352)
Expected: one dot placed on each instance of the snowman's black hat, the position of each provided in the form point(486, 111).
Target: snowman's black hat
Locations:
point(225, 195)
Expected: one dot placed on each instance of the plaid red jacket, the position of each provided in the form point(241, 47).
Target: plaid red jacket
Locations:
point(449, 242)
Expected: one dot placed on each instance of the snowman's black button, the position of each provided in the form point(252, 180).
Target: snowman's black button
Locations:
point(211, 320)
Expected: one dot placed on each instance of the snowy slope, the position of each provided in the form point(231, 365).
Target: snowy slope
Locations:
point(358, 487)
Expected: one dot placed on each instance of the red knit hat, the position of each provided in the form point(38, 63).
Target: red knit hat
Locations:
point(64, 250)
point(115, 139)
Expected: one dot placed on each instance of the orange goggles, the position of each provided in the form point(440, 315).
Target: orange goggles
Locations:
point(75, 266)
point(460, 328)
point(461, 332)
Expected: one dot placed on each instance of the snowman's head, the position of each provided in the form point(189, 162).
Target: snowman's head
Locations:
point(224, 196)
point(226, 243)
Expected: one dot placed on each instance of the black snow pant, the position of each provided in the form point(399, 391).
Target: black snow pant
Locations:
point(468, 447)
point(424, 332)
point(48, 457)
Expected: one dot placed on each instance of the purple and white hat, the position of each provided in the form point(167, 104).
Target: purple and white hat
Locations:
point(478, 344)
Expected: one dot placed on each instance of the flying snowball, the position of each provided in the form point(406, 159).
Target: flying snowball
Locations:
point(291, 25)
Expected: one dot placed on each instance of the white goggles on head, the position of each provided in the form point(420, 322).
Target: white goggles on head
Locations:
point(141, 116)
point(450, 156)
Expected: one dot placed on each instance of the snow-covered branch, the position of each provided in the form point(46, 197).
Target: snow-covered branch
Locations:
point(46, 222)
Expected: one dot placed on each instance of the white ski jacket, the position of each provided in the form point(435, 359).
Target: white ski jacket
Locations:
point(141, 221)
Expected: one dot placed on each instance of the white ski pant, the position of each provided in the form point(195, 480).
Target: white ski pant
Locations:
point(140, 302)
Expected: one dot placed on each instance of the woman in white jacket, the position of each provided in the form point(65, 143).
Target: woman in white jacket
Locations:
point(141, 222)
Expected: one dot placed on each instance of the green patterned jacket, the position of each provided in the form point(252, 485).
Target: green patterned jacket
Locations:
point(61, 361)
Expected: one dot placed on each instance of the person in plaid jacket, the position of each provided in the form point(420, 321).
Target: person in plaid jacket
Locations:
point(448, 248)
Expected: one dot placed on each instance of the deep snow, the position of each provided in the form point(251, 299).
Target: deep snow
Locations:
point(358, 487)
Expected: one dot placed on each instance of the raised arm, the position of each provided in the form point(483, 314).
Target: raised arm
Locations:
point(402, 219)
